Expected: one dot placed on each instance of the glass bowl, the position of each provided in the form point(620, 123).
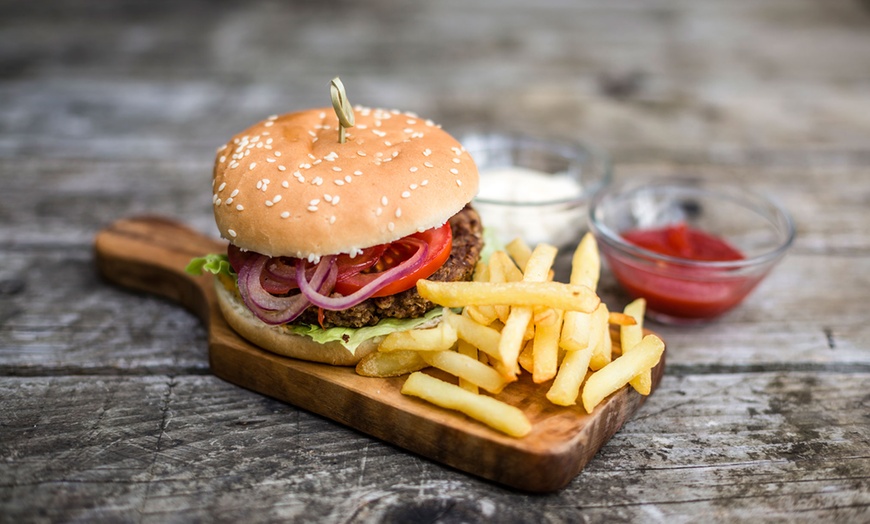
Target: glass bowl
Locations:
point(678, 287)
point(535, 189)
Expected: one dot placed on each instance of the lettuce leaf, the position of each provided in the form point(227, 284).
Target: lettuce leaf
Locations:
point(351, 338)
point(216, 264)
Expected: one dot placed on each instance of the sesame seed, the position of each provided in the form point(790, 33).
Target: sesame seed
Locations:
point(379, 211)
point(252, 166)
point(282, 168)
point(388, 143)
point(458, 182)
point(413, 186)
point(454, 171)
point(228, 201)
point(391, 226)
point(234, 193)
point(327, 197)
point(408, 130)
point(223, 159)
point(332, 219)
point(285, 184)
point(317, 181)
point(285, 214)
point(269, 203)
point(456, 161)
point(347, 179)
point(232, 233)
point(427, 152)
point(240, 207)
point(336, 168)
point(312, 208)
point(406, 194)
point(314, 202)
point(335, 200)
point(276, 198)
point(271, 160)
point(384, 200)
point(361, 153)
point(398, 212)
point(395, 154)
point(222, 186)
point(428, 164)
point(338, 182)
point(277, 153)
point(357, 173)
point(268, 124)
point(413, 169)
point(316, 162)
point(425, 182)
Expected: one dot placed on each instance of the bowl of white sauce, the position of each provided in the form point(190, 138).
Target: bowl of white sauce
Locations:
point(535, 189)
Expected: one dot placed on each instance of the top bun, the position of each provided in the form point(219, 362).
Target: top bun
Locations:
point(287, 187)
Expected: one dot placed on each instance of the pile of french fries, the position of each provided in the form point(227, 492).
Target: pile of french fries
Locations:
point(515, 318)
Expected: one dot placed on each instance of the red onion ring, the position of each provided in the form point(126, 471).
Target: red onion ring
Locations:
point(279, 310)
point(320, 299)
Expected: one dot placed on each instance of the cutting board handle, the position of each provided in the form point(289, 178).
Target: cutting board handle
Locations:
point(150, 253)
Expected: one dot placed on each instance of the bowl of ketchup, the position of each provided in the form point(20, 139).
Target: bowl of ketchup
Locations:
point(694, 249)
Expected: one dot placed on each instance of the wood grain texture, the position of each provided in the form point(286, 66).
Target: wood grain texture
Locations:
point(150, 253)
point(108, 410)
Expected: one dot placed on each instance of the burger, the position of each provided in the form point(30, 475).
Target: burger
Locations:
point(327, 239)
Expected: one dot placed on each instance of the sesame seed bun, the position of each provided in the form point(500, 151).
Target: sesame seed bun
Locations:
point(287, 187)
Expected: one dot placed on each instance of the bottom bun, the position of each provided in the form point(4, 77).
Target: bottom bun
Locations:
point(279, 340)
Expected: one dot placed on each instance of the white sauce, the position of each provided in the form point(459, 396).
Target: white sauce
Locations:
point(557, 224)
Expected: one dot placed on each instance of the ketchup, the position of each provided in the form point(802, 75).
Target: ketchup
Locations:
point(682, 291)
point(679, 240)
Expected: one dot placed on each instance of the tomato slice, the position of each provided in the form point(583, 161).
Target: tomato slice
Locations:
point(440, 241)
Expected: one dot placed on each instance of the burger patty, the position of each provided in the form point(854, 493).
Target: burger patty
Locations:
point(467, 243)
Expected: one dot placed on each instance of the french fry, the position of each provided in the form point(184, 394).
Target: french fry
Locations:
point(599, 338)
point(643, 357)
point(575, 331)
point(519, 251)
point(585, 270)
point(467, 349)
point(572, 372)
point(441, 337)
point(484, 338)
point(527, 357)
point(620, 319)
point(497, 276)
point(630, 337)
point(494, 413)
point(557, 295)
point(511, 272)
point(390, 364)
point(466, 368)
point(512, 338)
point(546, 347)
point(537, 268)
point(586, 263)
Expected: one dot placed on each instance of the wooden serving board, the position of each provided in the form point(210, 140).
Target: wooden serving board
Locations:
point(150, 253)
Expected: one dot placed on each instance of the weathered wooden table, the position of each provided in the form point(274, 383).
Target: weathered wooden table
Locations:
point(108, 410)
